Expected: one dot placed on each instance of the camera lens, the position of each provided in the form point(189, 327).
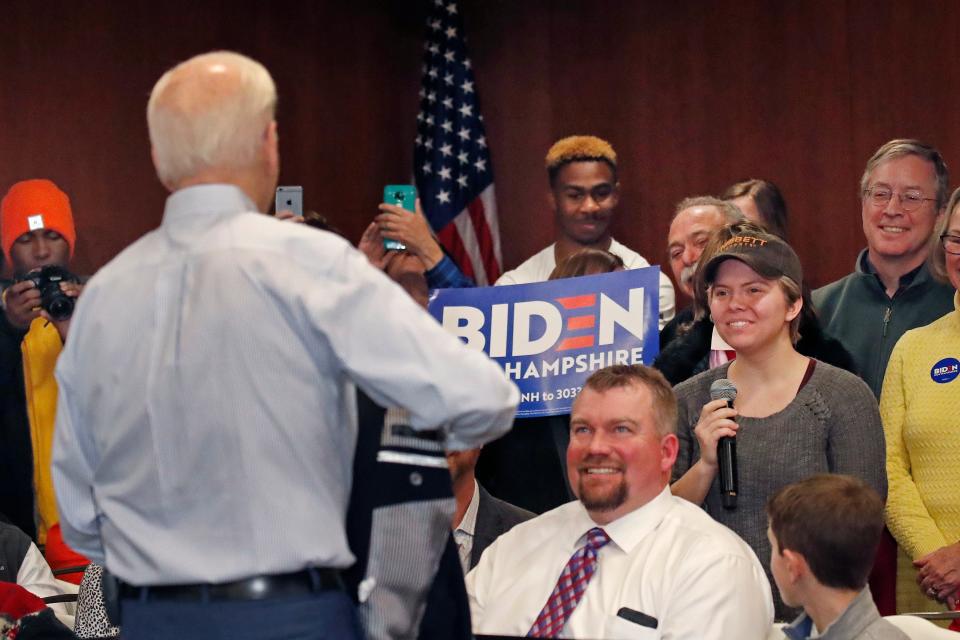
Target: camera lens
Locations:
point(60, 308)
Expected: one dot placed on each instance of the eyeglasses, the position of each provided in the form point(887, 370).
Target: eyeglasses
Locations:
point(951, 244)
point(909, 200)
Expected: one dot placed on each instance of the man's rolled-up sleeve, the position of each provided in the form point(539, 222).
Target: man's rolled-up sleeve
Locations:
point(401, 356)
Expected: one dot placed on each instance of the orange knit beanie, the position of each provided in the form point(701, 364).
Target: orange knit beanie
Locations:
point(35, 204)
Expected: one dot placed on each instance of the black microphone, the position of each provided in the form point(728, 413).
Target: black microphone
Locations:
point(724, 389)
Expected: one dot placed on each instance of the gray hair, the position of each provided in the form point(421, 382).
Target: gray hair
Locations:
point(209, 122)
point(731, 213)
point(908, 147)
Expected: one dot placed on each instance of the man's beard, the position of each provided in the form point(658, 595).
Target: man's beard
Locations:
point(602, 499)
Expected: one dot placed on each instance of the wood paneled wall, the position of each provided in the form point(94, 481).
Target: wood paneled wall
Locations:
point(694, 95)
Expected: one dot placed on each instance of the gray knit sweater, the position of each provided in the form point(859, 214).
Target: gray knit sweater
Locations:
point(832, 426)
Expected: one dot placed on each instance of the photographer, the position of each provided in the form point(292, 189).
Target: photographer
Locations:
point(37, 236)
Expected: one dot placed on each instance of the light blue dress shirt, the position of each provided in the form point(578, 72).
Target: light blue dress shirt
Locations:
point(207, 414)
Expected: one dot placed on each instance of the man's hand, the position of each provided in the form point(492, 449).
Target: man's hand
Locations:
point(412, 229)
point(73, 290)
point(22, 304)
point(371, 245)
point(939, 575)
point(288, 215)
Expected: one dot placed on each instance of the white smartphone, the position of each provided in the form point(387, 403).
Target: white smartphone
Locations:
point(289, 198)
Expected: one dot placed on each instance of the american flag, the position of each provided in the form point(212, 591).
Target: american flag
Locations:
point(451, 160)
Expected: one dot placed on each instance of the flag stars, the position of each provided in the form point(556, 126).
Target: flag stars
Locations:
point(446, 150)
point(426, 167)
point(467, 86)
point(462, 181)
point(444, 173)
point(443, 197)
point(449, 55)
point(451, 8)
point(463, 157)
point(466, 63)
point(447, 126)
point(420, 116)
point(482, 141)
point(435, 24)
point(432, 72)
point(448, 102)
point(464, 134)
point(466, 111)
point(429, 121)
point(480, 164)
point(428, 143)
point(434, 49)
point(419, 141)
point(431, 97)
point(451, 32)
point(448, 79)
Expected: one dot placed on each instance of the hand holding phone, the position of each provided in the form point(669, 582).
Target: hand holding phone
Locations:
point(401, 195)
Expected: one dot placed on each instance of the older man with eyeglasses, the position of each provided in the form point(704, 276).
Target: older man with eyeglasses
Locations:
point(904, 189)
point(903, 192)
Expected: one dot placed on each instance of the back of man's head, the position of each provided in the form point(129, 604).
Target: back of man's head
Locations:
point(209, 112)
point(834, 522)
point(908, 147)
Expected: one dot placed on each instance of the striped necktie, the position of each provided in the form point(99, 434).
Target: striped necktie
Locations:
point(570, 587)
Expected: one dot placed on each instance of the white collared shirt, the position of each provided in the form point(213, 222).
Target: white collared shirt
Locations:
point(539, 266)
point(464, 531)
point(667, 559)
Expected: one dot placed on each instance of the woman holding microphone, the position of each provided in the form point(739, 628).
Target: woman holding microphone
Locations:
point(793, 416)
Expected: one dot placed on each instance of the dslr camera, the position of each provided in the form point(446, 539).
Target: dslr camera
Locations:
point(47, 281)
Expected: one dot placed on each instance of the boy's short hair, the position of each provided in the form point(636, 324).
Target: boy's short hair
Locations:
point(579, 149)
point(833, 521)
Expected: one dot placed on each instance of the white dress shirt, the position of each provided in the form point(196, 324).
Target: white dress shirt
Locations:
point(539, 266)
point(667, 559)
point(464, 532)
point(207, 414)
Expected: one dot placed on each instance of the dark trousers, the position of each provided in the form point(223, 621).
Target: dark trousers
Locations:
point(327, 615)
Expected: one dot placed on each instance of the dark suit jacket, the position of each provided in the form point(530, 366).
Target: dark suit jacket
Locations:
point(494, 518)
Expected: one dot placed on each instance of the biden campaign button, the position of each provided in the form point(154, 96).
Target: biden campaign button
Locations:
point(945, 370)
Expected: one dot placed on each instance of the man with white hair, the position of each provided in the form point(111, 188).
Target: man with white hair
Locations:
point(206, 422)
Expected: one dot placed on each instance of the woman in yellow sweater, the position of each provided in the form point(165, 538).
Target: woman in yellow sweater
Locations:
point(920, 408)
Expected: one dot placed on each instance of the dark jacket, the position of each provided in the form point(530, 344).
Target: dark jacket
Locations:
point(16, 449)
point(399, 528)
point(689, 352)
point(494, 518)
point(857, 310)
point(527, 466)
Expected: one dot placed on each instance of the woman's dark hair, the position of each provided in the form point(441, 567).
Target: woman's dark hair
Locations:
point(769, 201)
point(587, 262)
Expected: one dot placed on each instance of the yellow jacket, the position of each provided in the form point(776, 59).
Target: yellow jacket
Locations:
point(41, 348)
point(920, 421)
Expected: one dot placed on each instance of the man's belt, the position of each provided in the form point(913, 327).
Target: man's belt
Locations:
point(311, 580)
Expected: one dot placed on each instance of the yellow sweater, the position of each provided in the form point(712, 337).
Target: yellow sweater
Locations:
point(41, 348)
point(922, 428)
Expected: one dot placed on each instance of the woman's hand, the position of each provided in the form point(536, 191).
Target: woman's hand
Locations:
point(716, 421)
point(939, 573)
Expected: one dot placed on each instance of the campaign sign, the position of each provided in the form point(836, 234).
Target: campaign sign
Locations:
point(550, 336)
